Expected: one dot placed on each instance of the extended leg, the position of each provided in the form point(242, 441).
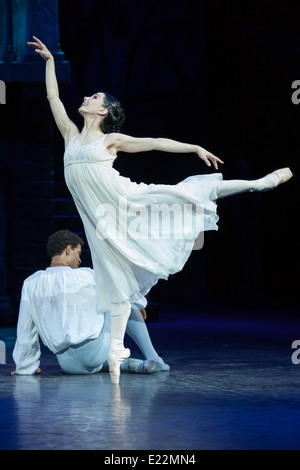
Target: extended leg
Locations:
point(270, 181)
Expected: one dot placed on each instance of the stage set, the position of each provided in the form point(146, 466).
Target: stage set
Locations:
point(216, 74)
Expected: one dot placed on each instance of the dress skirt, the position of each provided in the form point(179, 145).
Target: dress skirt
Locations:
point(139, 233)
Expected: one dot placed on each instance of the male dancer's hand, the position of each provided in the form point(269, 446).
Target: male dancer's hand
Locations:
point(144, 314)
point(37, 372)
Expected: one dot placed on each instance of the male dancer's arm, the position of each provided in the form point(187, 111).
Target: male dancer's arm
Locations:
point(26, 353)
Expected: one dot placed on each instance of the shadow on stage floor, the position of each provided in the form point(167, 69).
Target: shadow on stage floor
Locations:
point(232, 385)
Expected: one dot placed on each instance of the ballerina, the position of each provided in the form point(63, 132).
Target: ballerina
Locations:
point(126, 267)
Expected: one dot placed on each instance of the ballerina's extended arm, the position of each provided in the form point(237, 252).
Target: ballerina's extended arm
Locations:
point(125, 143)
point(114, 141)
point(64, 123)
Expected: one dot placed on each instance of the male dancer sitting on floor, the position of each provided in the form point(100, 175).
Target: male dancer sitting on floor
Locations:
point(59, 305)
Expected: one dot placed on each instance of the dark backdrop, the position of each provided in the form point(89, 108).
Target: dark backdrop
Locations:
point(218, 74)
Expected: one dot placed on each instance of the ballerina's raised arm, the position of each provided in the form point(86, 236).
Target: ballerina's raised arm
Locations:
point(66, 127)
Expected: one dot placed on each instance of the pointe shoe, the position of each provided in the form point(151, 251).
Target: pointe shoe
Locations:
point(115, 359)
point(272, 180)
point(284, 175)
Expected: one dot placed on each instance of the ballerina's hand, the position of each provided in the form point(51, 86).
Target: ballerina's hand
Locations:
point(40, 48)
point(208, 157)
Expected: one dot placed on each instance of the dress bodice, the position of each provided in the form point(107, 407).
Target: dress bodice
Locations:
point(95, 152)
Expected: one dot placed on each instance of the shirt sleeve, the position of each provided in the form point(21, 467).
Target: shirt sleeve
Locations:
point(26, 353)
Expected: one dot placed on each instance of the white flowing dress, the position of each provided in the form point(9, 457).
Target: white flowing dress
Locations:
point(137, 233)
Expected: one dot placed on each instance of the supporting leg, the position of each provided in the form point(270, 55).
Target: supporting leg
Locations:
point(119, 315)
point(138, 331)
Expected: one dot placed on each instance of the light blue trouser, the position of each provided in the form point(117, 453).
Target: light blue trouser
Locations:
point(89, 356)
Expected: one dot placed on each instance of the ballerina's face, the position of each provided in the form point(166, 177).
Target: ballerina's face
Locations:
point(93, 104)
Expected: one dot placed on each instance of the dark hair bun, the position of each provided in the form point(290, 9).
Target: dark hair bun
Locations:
point(115, 117)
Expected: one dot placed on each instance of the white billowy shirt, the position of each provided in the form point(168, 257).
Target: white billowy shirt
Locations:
point(59, 306)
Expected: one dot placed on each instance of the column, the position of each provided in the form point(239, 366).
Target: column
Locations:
point(42, 22)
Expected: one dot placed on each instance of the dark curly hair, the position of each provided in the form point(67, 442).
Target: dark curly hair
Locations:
point(59, 241)
point(115, 117)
